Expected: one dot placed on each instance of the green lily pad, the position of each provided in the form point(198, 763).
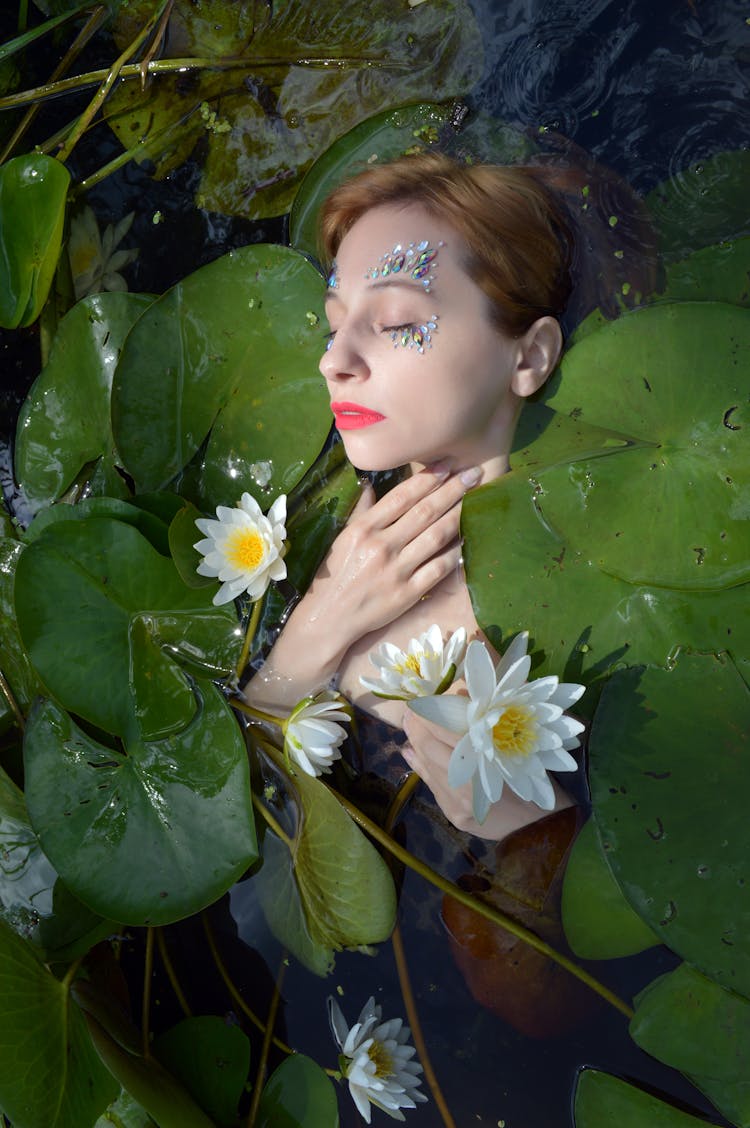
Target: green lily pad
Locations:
point(212, 1060)
point(81, 588)
point(713, 274)
point(50, 1074)
point(690, 527)
point(155, 1090)
point(702, 204)
point(599, 923)
point(602, 1101)
point(670, 804)
point(64, 423)
point(152, 527)
point(696, 1026)
point(150, 834)
point(322, 906)
point(266, 120)
point(33, 191)
point(230, 355)
point(33, 899)
point(298, 1095)
point(18, 672)
point(583, 623)
point(125, 1112)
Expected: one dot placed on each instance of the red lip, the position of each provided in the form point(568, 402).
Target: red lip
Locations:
point(350, 416)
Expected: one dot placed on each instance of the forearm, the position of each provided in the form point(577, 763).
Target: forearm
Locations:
point(304, 658)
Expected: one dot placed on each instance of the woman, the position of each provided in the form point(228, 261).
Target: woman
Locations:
point(446, 285)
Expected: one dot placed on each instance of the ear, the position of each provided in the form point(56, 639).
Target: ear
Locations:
point(538, 352)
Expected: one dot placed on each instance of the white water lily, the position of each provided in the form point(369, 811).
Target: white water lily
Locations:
point(312, 735)
point(244, 549)
point(95, 261)
point(376, 1060)
point(513, 731)
point(427, 666)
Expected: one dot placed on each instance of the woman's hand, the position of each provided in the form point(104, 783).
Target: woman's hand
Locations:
point(390, 554)
point(428, 752)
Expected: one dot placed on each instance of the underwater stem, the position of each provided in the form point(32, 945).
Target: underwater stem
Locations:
point(399, 801)
point(148, 969)
point(480, 907)
point(171, 974)
point(270, 1023)
point(273, 823)
point(87, 31)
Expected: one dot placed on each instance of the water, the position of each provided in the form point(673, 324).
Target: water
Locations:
point(649, 90)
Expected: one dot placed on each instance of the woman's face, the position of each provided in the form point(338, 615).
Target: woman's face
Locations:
point(415, 369)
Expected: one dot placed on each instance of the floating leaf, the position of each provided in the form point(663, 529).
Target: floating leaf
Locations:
point(714, 274)
point(33, 190)
point(599, 923)
point(211, 1059)
point(22, 680)
point(80, 589)
point(50, 1074)
point(266, 119)
point(152, 1086)
point(65, 421)
point(231, 353)
point(671, 806)
point(151, 834)
point(693, 1024)
point(343, 885)
point(702, 204)
point(33, 899)
point(602, 1101)
point(298, 1095)
point(125, 1112)
point(690, 528)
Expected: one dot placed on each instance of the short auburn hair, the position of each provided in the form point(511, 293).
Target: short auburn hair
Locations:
point(518, 241)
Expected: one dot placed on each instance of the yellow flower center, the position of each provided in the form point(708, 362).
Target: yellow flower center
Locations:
point(245, 549)
point(383, 1060)
point(515, 733)
point(411, 664)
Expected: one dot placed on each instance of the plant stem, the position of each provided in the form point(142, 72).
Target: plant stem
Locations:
point(71, 973)
point(232, 989)
point(84, 35)
point(148, 968)
point(257, 714)
point(94, 105)
point(168, 66)
point(270, 1023)
point(7, 693)
point(273, 823)
point(399, 801)
point(252, 627)
point(171, 974)
point(480, 907)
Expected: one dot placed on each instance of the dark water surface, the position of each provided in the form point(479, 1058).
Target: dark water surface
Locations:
point(649, 89)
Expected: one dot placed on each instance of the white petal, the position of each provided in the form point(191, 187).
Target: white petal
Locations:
point(480, 802)
point(448, 710)
point(462, 764)
point(277, 513)
point(338, 1022)
point(567, 693)
point(515, 676)
point(515, 650)
point(479, 673)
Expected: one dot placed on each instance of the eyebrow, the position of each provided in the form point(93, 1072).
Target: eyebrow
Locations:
point(404, 283)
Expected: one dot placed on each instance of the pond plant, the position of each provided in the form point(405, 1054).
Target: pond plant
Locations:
point(136, 788)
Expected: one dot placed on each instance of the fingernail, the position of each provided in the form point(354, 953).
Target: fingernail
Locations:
point(440, 469)
point(470, 477)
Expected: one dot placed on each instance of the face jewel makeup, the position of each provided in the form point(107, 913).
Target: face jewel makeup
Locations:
point(332, 282)
point(417, 261)
point(417, 337)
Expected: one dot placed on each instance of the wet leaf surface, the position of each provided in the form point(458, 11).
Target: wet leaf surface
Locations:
point(297, 1095)
point(671, 806)
point(65, 421)
point(128, 830)
point(211, 1059)
point(602, 1101)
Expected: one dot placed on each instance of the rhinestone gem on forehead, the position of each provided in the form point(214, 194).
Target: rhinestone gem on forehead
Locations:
point(417, 337)
point(418, 260)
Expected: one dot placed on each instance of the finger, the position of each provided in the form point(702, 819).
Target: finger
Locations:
point(428, 575)
point(442, 534)
point(422, 497)
point(365, 502)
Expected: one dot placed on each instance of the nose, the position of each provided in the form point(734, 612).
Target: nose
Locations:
point(342, 361)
